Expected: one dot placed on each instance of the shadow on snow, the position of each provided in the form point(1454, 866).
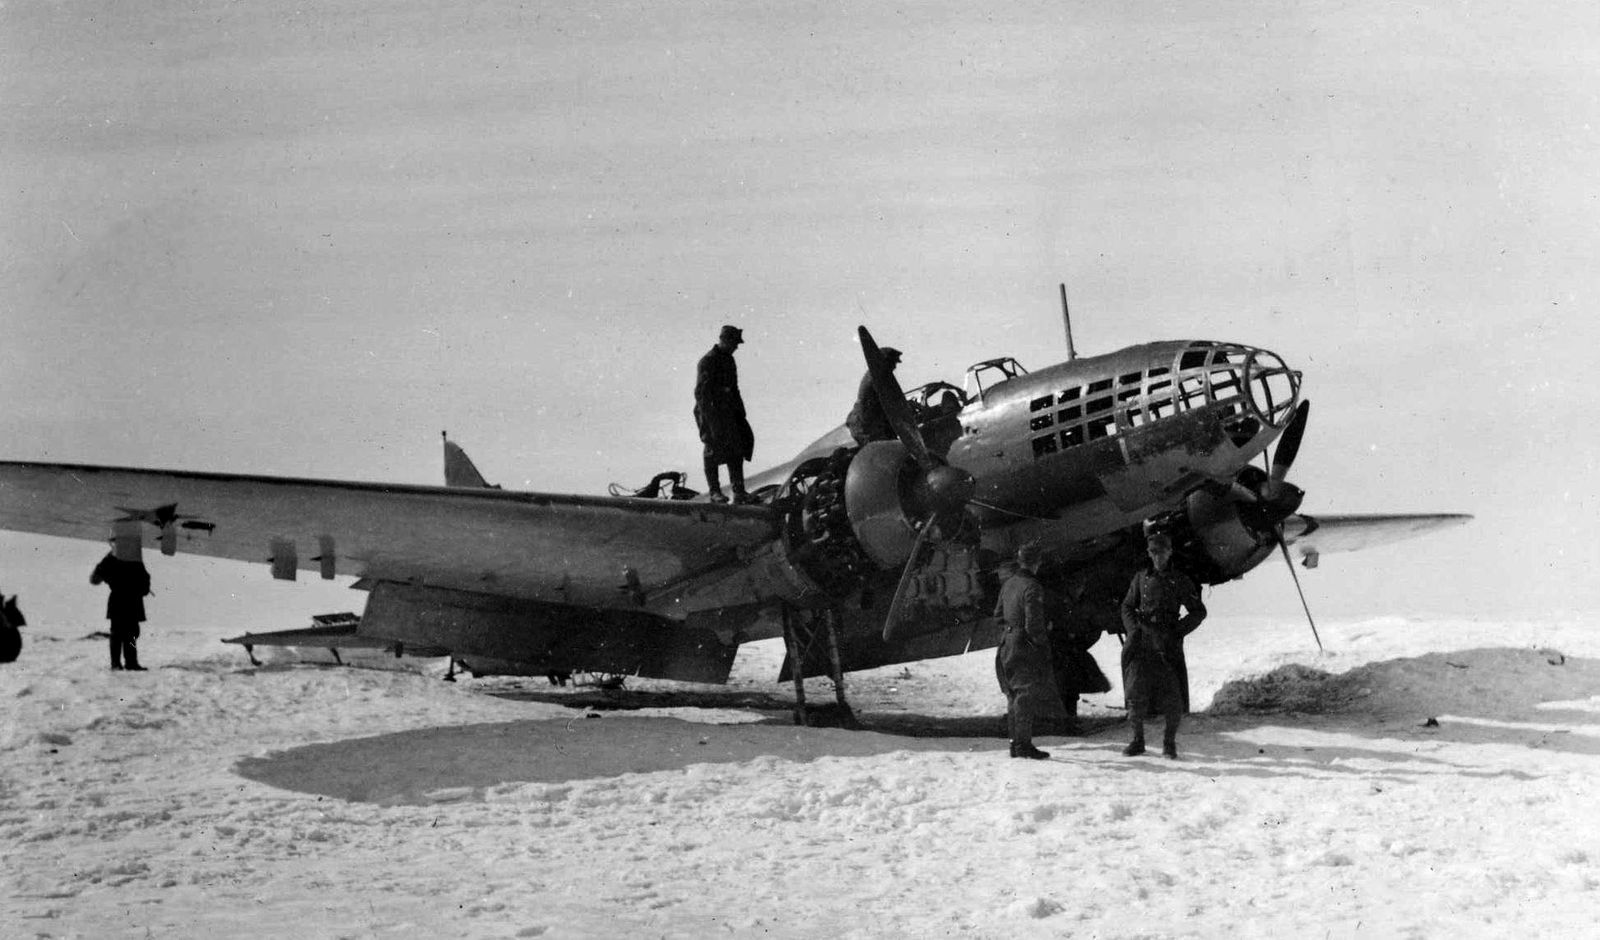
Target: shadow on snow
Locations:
point(1478, 697)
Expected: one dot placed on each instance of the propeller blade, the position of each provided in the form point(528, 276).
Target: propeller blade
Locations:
point(1284, 547)
point(891, 620)
point(1289, 443)
point(893, 399)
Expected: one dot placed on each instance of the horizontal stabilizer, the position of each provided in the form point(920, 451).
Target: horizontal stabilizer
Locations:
point(341, 635)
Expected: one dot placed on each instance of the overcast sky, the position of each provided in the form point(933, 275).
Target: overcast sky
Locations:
point(244, 237)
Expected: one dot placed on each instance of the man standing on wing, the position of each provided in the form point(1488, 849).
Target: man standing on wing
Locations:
point(719, 414)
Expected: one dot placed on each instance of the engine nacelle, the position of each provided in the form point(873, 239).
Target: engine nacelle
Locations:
point(1231, 545)
point(854, 513)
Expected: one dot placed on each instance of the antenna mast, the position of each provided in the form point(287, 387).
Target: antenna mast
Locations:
point(1066, 316)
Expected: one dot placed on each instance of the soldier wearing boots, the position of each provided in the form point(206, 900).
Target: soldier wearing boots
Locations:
point(719, 414)
point(129, 583)
point(1153, 650)
point(1022, 662)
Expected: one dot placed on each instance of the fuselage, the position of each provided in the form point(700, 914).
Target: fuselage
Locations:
point(1089, 446)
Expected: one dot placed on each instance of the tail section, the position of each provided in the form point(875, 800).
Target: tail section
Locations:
point(459, 469)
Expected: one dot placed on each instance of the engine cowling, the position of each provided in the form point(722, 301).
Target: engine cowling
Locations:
point(880, 499)
point(1227, 532)
point(1230, 544)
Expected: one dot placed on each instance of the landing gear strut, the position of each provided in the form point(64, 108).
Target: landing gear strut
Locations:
point(802, 631)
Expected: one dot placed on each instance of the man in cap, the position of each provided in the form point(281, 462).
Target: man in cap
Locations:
point(1153, 650)
point(719, 413)
point(130, 583)
point(867, 420)
point(1022, 662)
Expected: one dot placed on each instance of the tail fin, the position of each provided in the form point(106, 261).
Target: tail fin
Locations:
point(459, 469)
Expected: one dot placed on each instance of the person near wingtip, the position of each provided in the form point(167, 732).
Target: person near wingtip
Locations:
point(868, 421)
point(1022, 661)
point(10, 636)
point(130, 584)
point(719, 414)
point(1153, 648)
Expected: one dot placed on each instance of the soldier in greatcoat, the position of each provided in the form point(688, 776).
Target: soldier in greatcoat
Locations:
point(1153, 650)
point(1022, 661)
point(719, 413)
point(130, 584)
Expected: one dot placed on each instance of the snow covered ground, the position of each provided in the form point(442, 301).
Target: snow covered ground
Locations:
point(207, 798)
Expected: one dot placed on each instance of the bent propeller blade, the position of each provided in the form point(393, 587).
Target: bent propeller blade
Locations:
point(893, 400)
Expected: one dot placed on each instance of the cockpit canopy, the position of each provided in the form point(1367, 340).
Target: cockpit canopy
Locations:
point(991, 372)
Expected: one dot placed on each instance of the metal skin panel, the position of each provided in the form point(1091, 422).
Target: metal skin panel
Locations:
point(566, 549)
point(545, 637)
point(1138, 468)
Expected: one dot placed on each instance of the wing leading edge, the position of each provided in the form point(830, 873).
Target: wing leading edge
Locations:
point(1310, 536)
point(540, 546)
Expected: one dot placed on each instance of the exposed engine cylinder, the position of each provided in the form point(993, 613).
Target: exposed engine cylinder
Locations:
point(853, 513)
point(818, 536)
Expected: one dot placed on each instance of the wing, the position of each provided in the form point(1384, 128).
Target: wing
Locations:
point(562, 549)
point(1310, 536)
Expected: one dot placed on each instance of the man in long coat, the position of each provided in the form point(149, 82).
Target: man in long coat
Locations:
point(719, 413)
point(1022, 661)
point(1076, 672)
point(1154, 647)
point(868, 421)
point(129, 583)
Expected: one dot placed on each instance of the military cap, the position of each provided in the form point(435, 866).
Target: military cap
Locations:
point(891, 354)
point(732, 334)
point(1030, 555)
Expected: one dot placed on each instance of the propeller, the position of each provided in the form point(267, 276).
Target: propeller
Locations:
point(1288, 448)
point(1283, 498)
point(945, 489)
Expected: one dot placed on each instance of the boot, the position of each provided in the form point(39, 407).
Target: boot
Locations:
point(1136, 746)
point(714, 483)
point(1025, 749)
point(1072, 728)
point(130, 657)
point(1169, 750)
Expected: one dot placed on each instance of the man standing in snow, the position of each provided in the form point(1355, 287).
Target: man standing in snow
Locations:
point(1076, 672)
point(129, 583)
point(1022, 662)
point(1154, 645)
